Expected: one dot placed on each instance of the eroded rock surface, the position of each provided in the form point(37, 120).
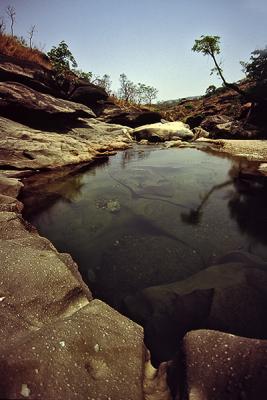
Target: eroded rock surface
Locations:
point(36, 109)
point(223, 366)
point(23, 147)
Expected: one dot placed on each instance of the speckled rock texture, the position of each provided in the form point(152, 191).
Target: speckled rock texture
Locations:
point(56, 342)
point(230, 296)
point(224, 367)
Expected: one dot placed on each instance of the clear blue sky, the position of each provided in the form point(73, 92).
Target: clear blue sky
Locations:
point(149, 40)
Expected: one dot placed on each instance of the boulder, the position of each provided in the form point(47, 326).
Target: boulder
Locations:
point(36, 109)
point(160, 132)
point(230, 296)
point(90, 95)
point(222, 366)
point(131, 116)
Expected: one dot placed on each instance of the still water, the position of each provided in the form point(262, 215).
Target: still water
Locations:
point(149, 216)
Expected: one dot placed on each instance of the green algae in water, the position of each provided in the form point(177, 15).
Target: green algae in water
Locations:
point(149, 216)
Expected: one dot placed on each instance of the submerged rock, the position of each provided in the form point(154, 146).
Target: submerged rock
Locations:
point(160, 132)
point(113, 206)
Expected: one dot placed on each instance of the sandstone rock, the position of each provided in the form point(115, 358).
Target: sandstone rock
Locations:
point(210, 122)
point(235, 129)
point(28, 73)
point(93, 353)
point(23, 147)
point(200, 132)
point(130, 116)
point(56, 343)
point(161, 132)
point(231, 297)
point(37, 109)
point(89, 95)
point(223, 366)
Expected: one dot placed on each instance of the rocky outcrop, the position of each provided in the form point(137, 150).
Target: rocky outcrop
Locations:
point(36, 109)
point(129, 116)
point(23, 147)
point(230, 296)
point(89, 95)
point(222, 366)
point(161, 132)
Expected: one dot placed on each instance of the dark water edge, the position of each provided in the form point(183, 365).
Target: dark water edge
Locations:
point(149, 216)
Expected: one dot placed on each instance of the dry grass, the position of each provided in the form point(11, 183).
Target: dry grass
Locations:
point(129, 104)
point(10, 46)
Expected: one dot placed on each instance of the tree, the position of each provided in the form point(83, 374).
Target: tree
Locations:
point(104, 82)
point(257, 67)
point(11, 12)
point(210, 45)
point(31, 33)
point(127, 90)
point(2, 26)
point(210, 90)
point(150, 93)
point(87, 76)
point(61, 58)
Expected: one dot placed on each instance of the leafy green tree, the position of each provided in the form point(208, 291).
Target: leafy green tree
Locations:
point(87, 76)
point(257, 67)
point(210, 45)
point(61, 58)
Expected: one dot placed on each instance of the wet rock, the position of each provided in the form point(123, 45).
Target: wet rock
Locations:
point(160, 132)
point(113, 206)
point(230, 297)
point(223, 366)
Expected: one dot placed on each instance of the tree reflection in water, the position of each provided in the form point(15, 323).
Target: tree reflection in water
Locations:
point(248, 207)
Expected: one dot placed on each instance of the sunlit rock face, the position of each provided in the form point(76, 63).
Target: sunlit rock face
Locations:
point(160, 132)
point(223, 366)
point(25, 147)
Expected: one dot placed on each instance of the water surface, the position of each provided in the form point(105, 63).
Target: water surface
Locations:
point(149, 216)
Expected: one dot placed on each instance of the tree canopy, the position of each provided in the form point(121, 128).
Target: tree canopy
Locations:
point(62, 58)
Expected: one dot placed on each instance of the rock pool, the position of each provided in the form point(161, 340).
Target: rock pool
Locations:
point(149, 216)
